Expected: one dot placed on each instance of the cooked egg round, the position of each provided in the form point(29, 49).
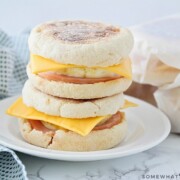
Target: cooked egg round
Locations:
point(87, 72)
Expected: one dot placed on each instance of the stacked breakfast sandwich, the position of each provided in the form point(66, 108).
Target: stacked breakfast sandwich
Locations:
point(73, 98)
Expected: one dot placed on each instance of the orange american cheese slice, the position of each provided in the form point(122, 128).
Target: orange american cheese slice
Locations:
point(80, 126)
point(40, 64)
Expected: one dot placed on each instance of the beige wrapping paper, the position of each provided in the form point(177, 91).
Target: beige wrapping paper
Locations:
point(156, 62)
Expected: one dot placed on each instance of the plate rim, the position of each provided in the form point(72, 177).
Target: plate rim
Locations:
point(82, 156)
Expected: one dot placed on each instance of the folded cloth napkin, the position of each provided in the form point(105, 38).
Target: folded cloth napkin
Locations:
point(11, 168)
point(14, 56)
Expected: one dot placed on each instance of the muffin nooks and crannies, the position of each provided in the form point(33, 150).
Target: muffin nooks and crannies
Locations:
point(73, 98)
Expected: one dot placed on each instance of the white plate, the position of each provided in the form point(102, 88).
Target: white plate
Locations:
point(147, 127)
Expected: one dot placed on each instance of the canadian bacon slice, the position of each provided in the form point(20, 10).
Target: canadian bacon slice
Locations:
point(38, 125)
point(112, 121)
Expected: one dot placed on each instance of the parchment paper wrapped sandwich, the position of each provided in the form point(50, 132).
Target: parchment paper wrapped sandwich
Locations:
point(156, 66)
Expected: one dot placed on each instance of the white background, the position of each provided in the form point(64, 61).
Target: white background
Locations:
point(16, 15)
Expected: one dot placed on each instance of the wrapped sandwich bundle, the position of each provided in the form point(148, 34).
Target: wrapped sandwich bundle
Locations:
point(156, 66)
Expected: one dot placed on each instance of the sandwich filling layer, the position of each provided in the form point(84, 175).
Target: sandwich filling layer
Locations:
point(51, 70)
point(79, 126)
point(107, 123)
point(54, 76)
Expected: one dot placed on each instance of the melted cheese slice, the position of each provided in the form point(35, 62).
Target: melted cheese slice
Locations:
point(80, 126)
point(128, 104)
point(41, 64)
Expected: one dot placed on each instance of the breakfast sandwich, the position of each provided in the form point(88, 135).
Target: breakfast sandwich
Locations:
point(73, 99)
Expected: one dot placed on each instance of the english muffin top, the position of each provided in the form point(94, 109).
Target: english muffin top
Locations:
point(77, 31)
point(81, 43)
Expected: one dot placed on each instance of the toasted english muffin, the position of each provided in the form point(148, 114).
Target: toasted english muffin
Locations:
point(70, 141)
point(70, 108)
point(81, 43)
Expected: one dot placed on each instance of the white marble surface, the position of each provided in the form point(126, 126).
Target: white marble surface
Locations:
point(163, 159)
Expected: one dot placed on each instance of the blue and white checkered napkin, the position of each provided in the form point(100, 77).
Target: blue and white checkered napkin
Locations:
point(11, 168)
point(14, 56)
